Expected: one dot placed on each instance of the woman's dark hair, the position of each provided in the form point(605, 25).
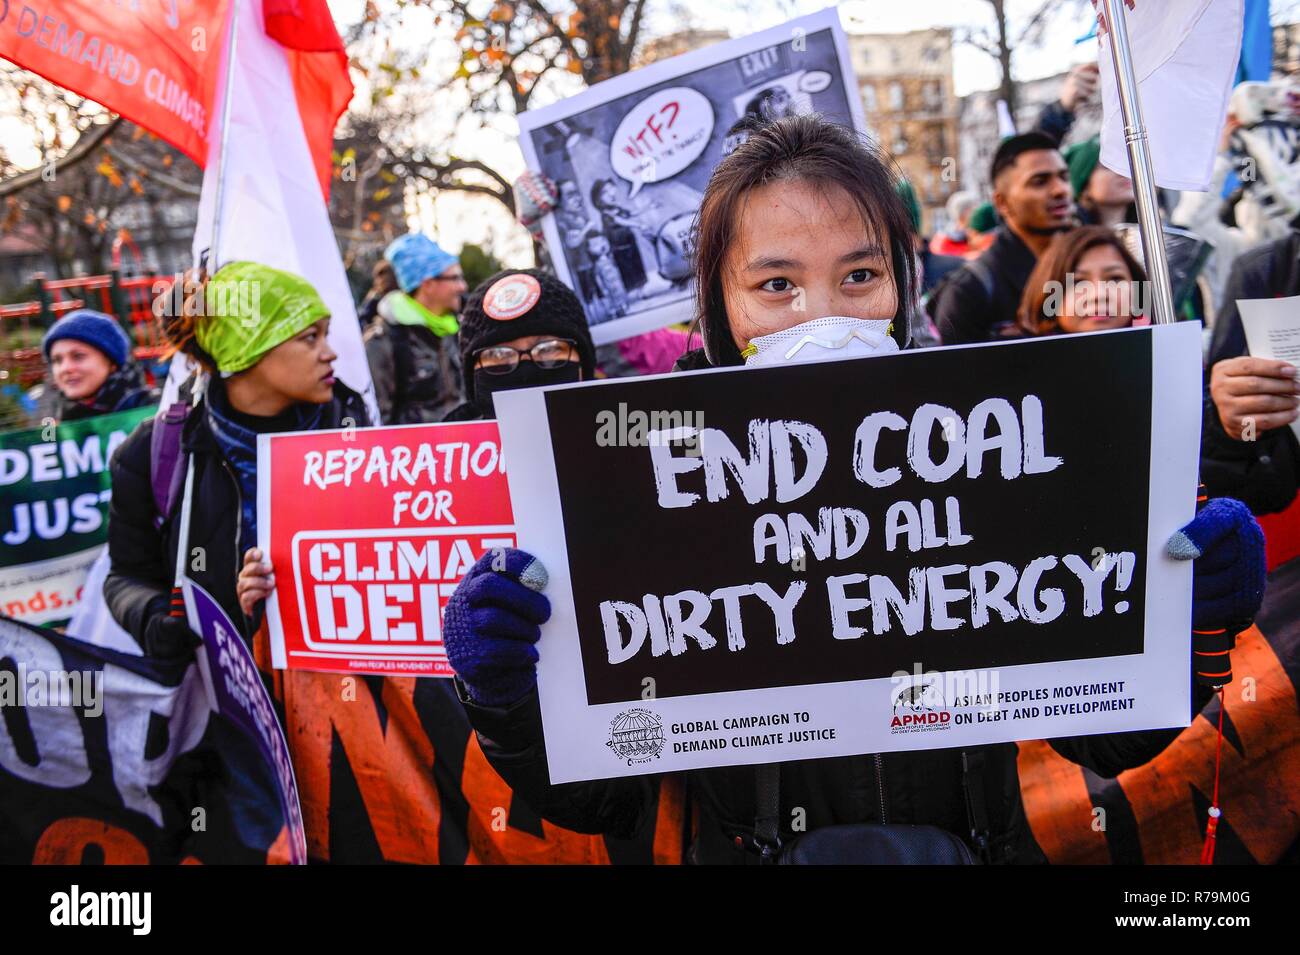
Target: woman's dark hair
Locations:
point(797, 149)
point(1061, 258)
point(598, 185)
point(186, 306)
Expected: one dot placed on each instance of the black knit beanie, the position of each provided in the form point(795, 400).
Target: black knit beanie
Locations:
point(517, 303)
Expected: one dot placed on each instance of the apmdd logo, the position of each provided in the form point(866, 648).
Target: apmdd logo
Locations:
point(919, 705)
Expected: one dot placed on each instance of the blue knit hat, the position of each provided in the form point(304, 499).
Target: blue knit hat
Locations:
point(94, 329)
point(415, 258)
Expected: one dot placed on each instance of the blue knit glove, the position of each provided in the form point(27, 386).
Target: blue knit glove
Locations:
point(1228, 577)
point(491, 625)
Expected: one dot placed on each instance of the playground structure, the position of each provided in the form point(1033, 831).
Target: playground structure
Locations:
point(129, 298)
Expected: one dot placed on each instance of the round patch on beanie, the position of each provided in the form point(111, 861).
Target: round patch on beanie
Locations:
point(511, 297)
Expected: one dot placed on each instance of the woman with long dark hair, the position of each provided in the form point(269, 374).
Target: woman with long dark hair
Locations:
point(804, 251)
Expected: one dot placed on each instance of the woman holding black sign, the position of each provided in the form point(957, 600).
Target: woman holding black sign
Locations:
point(804, 251)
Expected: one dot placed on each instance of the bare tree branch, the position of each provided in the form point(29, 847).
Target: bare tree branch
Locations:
point(84, 146)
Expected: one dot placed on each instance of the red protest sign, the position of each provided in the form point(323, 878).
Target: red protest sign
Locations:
point(156, 64)
point(369, 532)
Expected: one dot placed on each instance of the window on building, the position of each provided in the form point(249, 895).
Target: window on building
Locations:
point(869, 98)
point(899, 138)
point(896, 96)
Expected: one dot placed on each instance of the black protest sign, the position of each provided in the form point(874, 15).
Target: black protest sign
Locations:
point(937, 548)
point(957, 520)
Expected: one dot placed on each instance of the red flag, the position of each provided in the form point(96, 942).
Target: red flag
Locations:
point(157, 65)
point(318, 63)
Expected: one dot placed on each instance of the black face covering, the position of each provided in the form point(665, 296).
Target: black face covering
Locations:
point(527, 375)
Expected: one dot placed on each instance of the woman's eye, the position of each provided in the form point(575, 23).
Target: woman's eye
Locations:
point(859, 276)
point(777, 285)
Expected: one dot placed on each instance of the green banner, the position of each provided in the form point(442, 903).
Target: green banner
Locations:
point(54, 493)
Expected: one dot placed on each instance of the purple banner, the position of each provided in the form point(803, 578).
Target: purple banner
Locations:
point(236, 692)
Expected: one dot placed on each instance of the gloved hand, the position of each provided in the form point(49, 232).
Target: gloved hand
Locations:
point(1228, 577)
point(167, 635)
point(491, 625)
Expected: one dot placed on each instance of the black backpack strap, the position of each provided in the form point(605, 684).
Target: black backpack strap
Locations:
point(767, 824)
point(977, 810)
point(167, 458)
point(984, 274)
point(403, 367)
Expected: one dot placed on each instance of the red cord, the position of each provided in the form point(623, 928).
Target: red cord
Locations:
point(1212, 824)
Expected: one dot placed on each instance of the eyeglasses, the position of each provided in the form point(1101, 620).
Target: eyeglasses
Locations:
point(459, 277)
point(503, 359)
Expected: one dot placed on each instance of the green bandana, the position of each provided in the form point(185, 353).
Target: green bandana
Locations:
point(250, 309)
point(407, 311)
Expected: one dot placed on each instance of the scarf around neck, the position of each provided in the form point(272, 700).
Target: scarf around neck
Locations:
point(407, 311)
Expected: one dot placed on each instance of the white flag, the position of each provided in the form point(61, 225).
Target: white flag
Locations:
point(1185, 55)
point(272, 210)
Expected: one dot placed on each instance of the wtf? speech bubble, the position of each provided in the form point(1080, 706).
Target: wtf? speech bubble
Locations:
point(661, 136)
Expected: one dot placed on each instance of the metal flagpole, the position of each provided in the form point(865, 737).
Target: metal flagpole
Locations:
point(1139, 158)
point(231, 41)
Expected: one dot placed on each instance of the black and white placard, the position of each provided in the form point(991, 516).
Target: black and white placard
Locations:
point(631, 157)
point(931, 549)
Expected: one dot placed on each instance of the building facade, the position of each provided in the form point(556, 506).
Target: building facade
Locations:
point(979, 134)
point(907, 94)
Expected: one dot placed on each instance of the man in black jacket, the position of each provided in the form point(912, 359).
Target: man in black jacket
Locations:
point(1248, 449)
point(1031, 190)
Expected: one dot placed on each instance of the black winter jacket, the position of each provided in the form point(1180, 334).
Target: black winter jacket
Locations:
point(417, 374)
point(1265, 473)
point(925, 787)
point(978, 302)
point(143, 556)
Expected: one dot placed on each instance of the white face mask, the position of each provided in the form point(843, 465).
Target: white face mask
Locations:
point(821, 339)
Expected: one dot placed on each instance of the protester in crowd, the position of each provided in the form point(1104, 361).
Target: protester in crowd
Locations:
point(1031, 190)
point(934, 266)
point(980, 228)
point(1079, 88)
point(1248, 448)
point(955, 239)
point(800, 231)
point(382, 281)
point(1104, 197)
point(931, 268)
point(521, 328)
point(1086, 281)
point(268, 369)
point(412, 349)
point(90, 365)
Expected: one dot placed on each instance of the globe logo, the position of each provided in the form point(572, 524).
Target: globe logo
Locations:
point(636, 735)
